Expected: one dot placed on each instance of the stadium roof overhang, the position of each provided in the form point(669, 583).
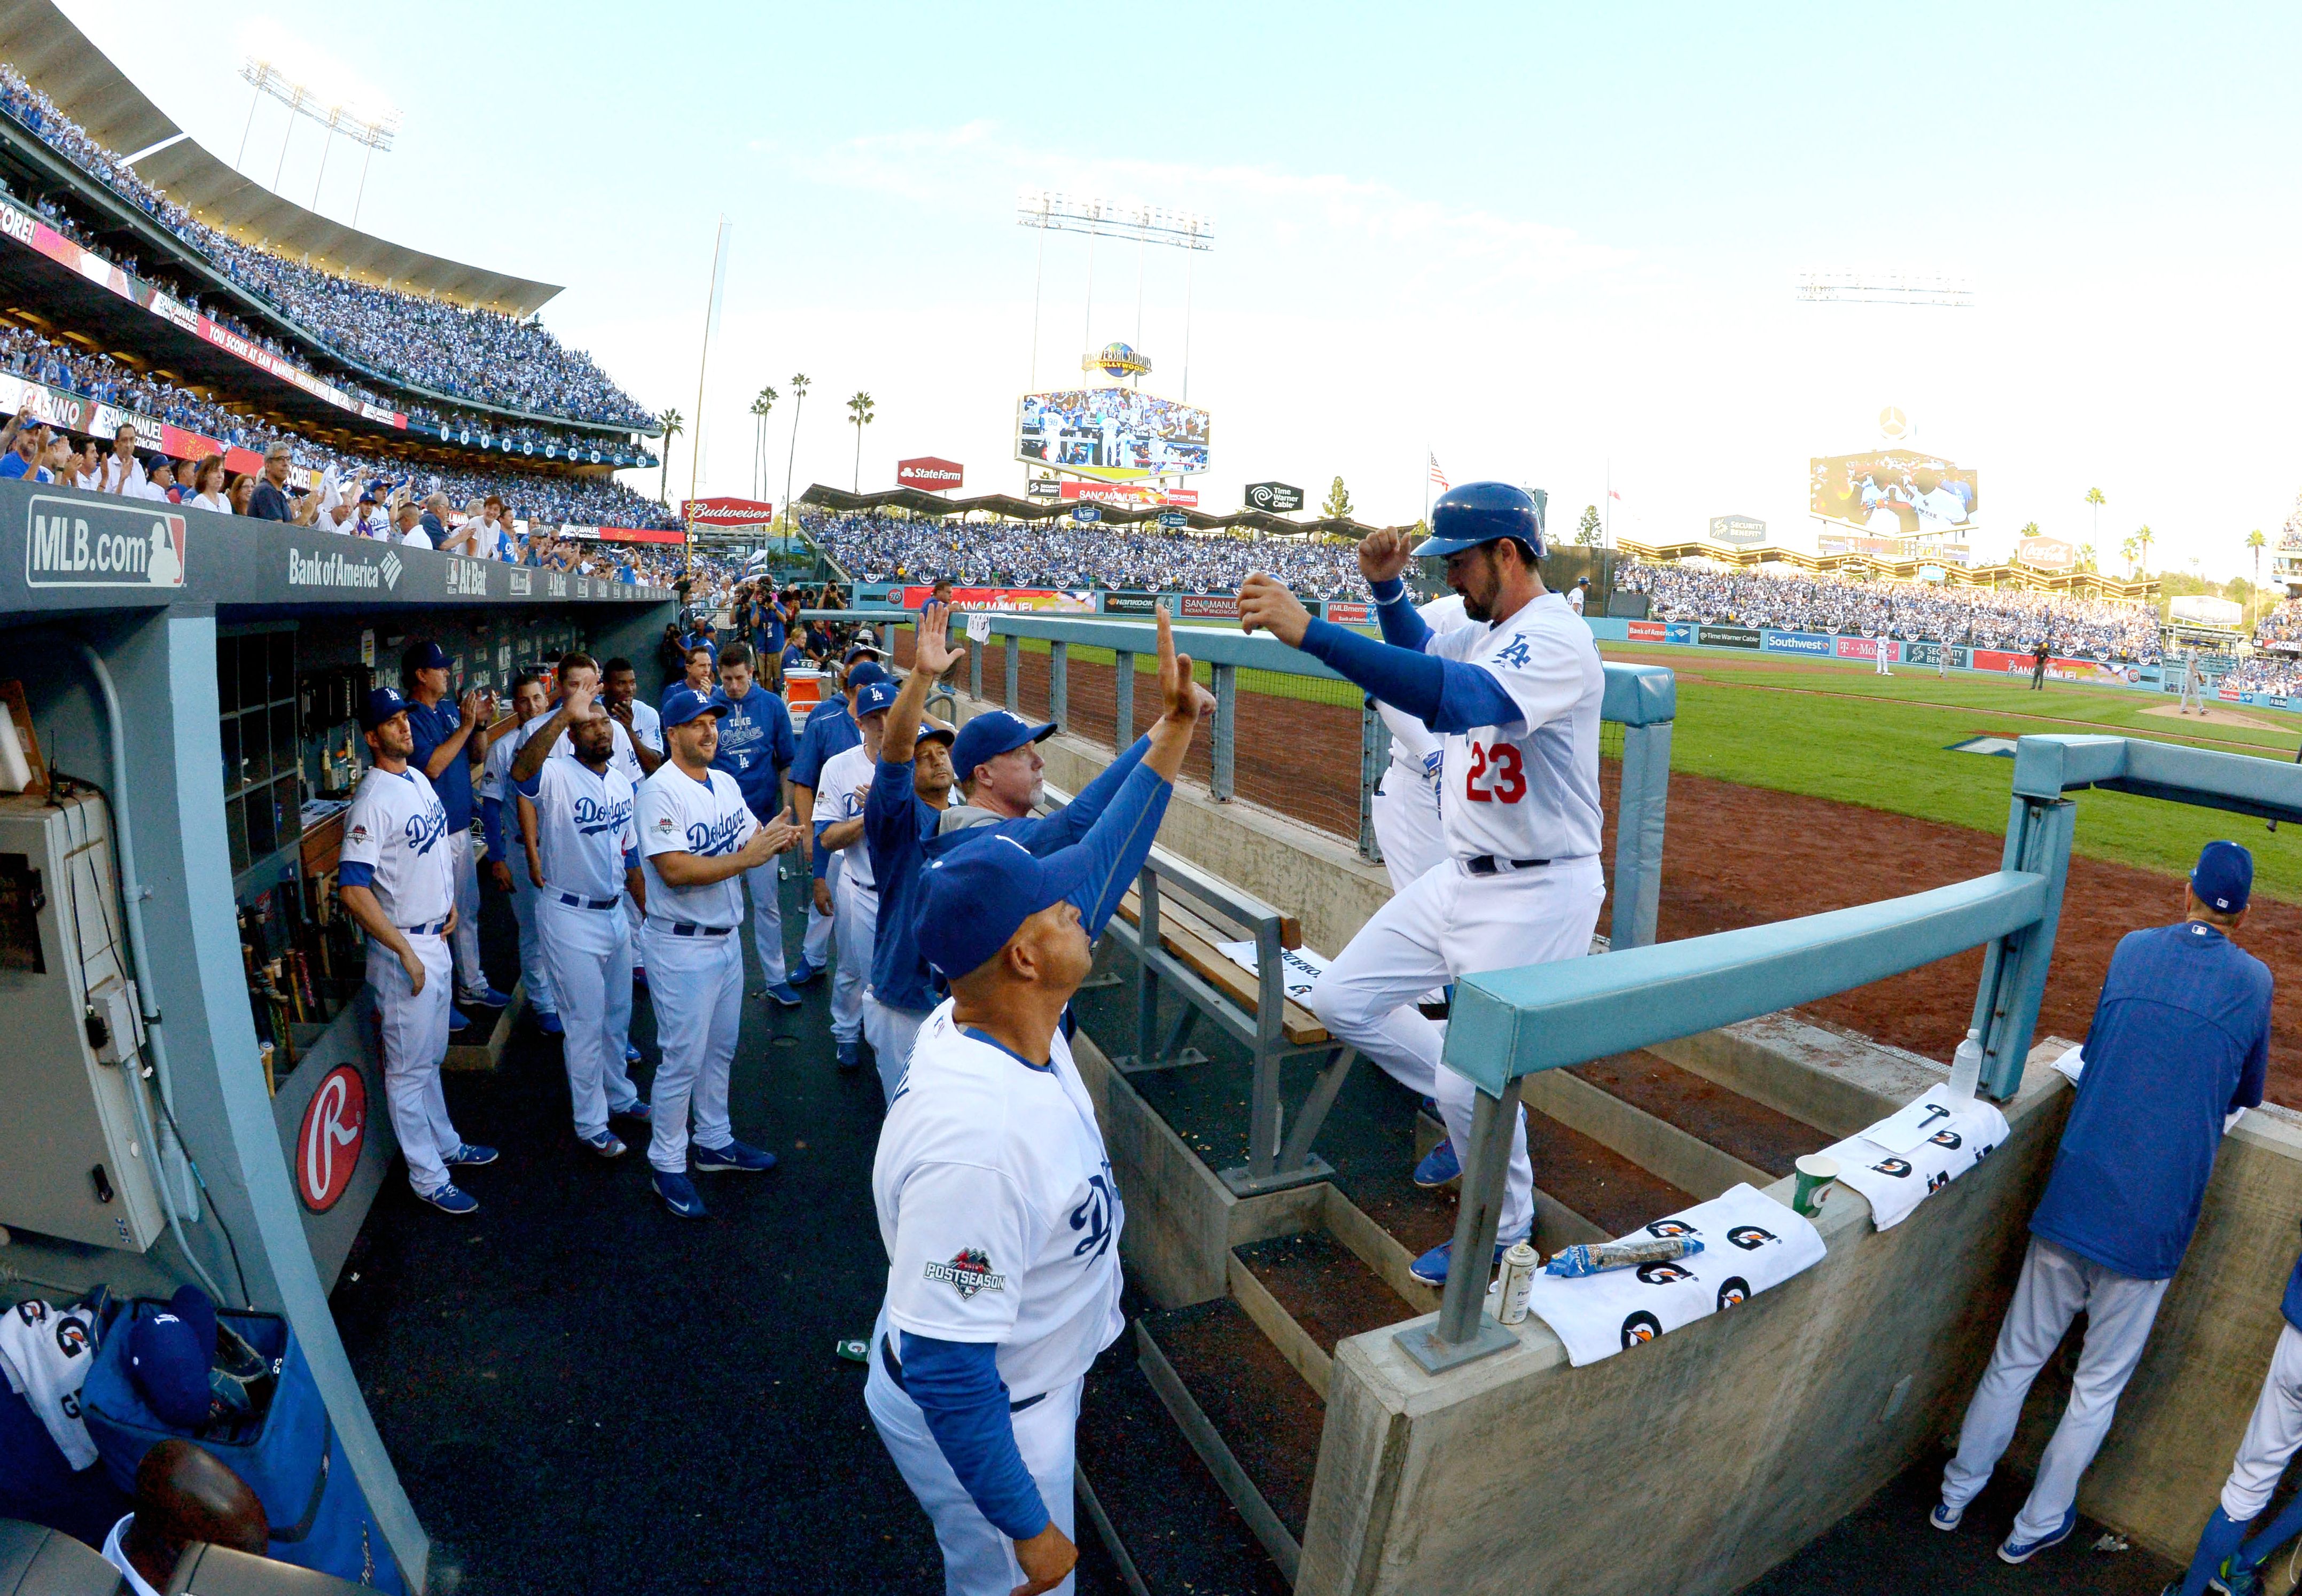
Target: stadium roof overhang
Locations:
point(63, 63)
point(2092, 584)
point(1007, 507)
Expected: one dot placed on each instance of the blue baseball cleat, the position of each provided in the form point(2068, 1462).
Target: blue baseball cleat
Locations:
point(2022, 1551)
point(472, 1154)
point(1440, 1166)
point(1430, 1268)
point(782, 992)
point(733, 1158)
point(851, 1055)
point(803, 975)
point(678, 1195)
point(449, 1200)
point(457, 1020)
point(486, 999)
point(604, 1144)
point(548, 1023)
point(1945, 1517)
point(632, 1054)
point(637, 1109)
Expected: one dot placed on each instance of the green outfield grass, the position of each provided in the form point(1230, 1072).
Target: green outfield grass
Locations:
point(1848, 735)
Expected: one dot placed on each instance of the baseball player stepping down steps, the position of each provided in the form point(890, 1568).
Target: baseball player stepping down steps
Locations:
point(1513, 699)
point(997, 1204)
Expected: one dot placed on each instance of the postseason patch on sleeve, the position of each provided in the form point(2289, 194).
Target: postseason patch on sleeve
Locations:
point(969, 1271)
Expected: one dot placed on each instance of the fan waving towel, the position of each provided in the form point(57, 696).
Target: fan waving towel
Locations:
point(1750, 1243)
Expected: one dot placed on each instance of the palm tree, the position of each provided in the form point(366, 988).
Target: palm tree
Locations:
point(759, 408)
point(672, 427)
point(799, 398)
point(859, 416)
point(2130, 551)
point(2142, 537)
point(2254, 543)
point(2086, 557)
point(2096, 501)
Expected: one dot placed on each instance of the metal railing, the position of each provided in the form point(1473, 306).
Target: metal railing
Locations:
point(1509, 1024)
point(1641, 701)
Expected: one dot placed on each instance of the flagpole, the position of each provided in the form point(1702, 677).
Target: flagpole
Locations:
point(1607, 530)
point(1430, 463)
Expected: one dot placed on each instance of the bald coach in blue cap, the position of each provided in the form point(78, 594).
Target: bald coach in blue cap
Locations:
point(996, 1201)
point(2179, 1047)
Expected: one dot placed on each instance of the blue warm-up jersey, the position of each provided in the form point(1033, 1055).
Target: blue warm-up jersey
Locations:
point(756, 748)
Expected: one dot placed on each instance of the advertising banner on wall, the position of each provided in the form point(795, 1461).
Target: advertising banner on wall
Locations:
point(1133, 495)
point(1814, 644)
point(1210, 606)
point(2101, 671)
point(1347, 614)
point(1869, 647)
point(1741, 530)
point(1006, 601)
point(931, 471)
point(1929, 653)
point(1646, 631)
point(1129, 603)
point(725, 512)
point(1727, 638)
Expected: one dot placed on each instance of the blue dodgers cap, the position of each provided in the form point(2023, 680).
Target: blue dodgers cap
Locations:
point(170, 1368)
point(1480, 513)
point(382, 704)
point(875, 696)
point(867, 670)
point(2223, 878)
point(192, 1305)
point(424, 656)
point(988, 736)
point(860, 651)
point(976, 895)
point(686, 704)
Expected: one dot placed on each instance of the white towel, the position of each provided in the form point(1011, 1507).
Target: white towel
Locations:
point(1897, 1175)
point(1750, 1243)
point(47, 1353)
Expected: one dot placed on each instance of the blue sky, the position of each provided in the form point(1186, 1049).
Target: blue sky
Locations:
point(1553, 245)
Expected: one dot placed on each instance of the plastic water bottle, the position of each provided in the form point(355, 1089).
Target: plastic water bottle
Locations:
point(1966, 1068)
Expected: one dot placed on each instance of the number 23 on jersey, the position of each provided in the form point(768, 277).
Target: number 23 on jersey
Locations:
point(1496, 775)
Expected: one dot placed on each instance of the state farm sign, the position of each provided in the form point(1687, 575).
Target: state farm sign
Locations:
point(935, 476)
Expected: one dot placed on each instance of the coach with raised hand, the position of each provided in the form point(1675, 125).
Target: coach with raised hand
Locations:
point(995, 1199)
point(1515, 697)
point(2179, 1046)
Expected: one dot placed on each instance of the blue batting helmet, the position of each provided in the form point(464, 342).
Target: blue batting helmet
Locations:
point(1480, 513)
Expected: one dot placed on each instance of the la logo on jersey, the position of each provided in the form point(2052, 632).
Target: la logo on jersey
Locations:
point(968, 1273)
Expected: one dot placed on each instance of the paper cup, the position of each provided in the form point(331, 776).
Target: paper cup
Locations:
point(1815, 1176)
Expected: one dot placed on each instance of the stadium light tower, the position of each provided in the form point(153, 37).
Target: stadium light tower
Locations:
point(1145, 224)
point(1885, 288)
point(375, 131)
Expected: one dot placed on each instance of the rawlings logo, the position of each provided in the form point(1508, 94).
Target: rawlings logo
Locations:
point(968, 1273)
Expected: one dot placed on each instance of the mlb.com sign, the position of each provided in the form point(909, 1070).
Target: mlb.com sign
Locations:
point(71, 543)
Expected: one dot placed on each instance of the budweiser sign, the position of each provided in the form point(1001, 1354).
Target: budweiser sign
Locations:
point(927, 472)
point(726, 512)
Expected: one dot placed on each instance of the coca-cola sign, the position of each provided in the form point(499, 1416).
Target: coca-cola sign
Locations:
point(930, 473)
point(328, 1146)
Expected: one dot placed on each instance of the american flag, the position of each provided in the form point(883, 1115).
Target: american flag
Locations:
point(1438, 476)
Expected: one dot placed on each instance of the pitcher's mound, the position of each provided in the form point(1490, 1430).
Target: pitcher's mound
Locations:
point(2219, 717)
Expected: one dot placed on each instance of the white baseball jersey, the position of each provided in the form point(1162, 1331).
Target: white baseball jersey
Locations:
point(583, 831)
point(836, 801)
point(647, 726)
point(678, 814)
point(1415, 747)
point(1529, 790)
point(623, 759)
point(998, 1208)
point(397, 825)
point(47, 1353)
point(495, 769)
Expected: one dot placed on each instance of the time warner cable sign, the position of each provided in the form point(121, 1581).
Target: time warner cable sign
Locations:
point(71, 543)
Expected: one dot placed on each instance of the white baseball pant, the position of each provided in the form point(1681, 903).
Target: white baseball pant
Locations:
point(891, 1031)
point(590, 953)
point(1883, 652)
point(532, 971)
point(858, 919)
point(764, 882)
point(2194, 695)
point(2056, 1283)
point(697, 985)
point(1407, 826)
point(2272, 1435)
point(471, 979)
point(978, 1558)
point(1446, 924)
point(414, 1027)
point(816, 946)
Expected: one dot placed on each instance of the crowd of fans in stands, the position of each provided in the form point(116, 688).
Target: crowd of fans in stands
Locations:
point(482, 355)
point(1067, 554)
point(1980, 617)
point(556, 499)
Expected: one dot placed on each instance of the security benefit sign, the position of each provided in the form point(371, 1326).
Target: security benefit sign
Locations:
point(1750, 1243)
point(71, 543)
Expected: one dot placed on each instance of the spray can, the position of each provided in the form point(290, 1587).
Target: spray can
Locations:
point(1519, 1262)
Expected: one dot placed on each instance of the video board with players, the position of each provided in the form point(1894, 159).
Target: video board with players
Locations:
point(1894, 492)
point(1112, 434)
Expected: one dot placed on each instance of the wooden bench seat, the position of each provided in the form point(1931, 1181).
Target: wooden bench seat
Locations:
point(1192, 940)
